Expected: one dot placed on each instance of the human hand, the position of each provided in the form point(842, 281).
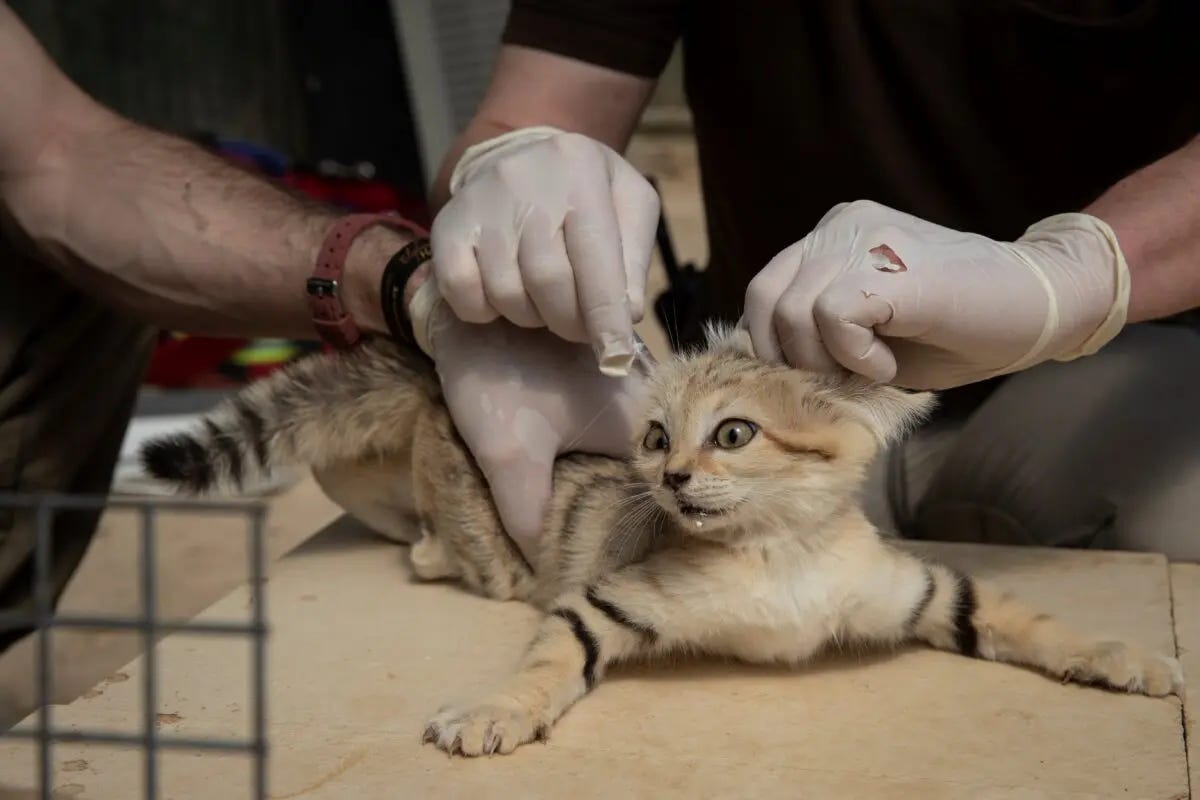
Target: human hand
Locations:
point(899, 299)
point(519, 398)
point(549, 229)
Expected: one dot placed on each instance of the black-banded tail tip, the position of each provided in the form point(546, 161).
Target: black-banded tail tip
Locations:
point(178, 459)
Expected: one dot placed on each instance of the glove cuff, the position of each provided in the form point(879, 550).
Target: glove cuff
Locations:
point(1114, 320)
point(474, 155)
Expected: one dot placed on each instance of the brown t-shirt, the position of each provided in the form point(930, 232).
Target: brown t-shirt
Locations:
point(983, 115)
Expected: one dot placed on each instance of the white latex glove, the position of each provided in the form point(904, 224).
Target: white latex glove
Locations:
point(899, 299)
point(519, 398)
point(549, 229)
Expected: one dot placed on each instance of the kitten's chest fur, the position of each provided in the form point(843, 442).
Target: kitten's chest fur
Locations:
point(772, 602)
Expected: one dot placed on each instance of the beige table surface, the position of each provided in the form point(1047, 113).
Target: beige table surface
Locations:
point(360, 657)
point(1185, 593)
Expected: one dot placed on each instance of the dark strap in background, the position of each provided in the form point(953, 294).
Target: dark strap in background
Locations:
point(681, 308)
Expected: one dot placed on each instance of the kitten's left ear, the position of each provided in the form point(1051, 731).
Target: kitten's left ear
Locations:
point(886, 411)
point(731, 338)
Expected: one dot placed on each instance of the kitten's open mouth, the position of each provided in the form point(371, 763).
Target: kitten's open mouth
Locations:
point(697, 516)
point(689, 510)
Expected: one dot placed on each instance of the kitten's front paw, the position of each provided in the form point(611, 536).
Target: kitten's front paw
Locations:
point(500, 726)
point(1118, 666)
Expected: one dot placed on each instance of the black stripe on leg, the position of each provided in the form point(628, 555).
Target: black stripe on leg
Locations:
point(923, 602)
point(618, 616)
point(229, 448)
point(591, 650)
point(582, 495)
point(965, 637)
point(569, 523)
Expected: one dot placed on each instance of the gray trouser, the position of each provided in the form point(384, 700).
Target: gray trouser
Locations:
point(69, 374)
point(1102, 452)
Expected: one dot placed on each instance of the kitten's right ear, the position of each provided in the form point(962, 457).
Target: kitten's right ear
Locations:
point(888, 412)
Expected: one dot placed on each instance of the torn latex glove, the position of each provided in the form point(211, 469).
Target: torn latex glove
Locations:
point(549, 229)
point(519, 398)
point(899, 299)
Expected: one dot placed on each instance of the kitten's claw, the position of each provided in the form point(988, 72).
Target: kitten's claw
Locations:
point(1118, 666)
point(491, 740)
point(498, 727)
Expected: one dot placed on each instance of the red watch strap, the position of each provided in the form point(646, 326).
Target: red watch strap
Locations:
point(330, 319)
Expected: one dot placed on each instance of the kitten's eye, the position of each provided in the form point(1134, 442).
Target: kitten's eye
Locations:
point(656, 438)
point(734, 433)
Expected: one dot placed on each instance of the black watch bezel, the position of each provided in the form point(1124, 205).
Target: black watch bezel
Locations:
point(399, 269)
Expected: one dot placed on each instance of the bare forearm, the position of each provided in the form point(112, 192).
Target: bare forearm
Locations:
point(153, 224)
point(1156, 215)
point(532, 87)
point(176, 236)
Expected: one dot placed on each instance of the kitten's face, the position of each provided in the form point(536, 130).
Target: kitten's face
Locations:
point(732, 444)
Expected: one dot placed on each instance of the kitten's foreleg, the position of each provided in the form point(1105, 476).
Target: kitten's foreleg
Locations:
point(578, 639)
point(952, 611)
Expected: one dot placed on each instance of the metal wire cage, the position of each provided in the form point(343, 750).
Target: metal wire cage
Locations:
point(44, 621)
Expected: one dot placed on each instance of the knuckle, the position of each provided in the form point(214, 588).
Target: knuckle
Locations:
point(444, 232)
point(761, 293)
point(455, 278)
point(830, 215)
point(828, 307)
point(506, 295)
point(754, 289)
point(848, 210)
point(794, 312)
point(860, 206)
point(543, 277)
point(473, 311)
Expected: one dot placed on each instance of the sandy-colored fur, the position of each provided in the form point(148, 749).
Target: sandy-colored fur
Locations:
point(762, 553)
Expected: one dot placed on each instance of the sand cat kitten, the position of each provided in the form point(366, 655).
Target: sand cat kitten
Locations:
point(734, 530)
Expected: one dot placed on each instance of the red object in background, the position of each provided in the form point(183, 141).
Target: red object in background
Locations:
point(361, 196)
point(191, 362)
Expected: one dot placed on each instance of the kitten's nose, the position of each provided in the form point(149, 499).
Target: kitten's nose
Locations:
point(675, 480)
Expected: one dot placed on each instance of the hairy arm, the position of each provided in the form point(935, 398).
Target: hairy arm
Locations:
point(1156, 215)
point(534, 87)
point(154, 225)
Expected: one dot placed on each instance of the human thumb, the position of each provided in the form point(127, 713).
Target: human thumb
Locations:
point(521, 491)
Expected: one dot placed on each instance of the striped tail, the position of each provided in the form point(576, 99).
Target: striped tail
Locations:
point(317, 411)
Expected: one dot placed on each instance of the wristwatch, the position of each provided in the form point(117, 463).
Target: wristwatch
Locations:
point(329, 316)
point(399, 269)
